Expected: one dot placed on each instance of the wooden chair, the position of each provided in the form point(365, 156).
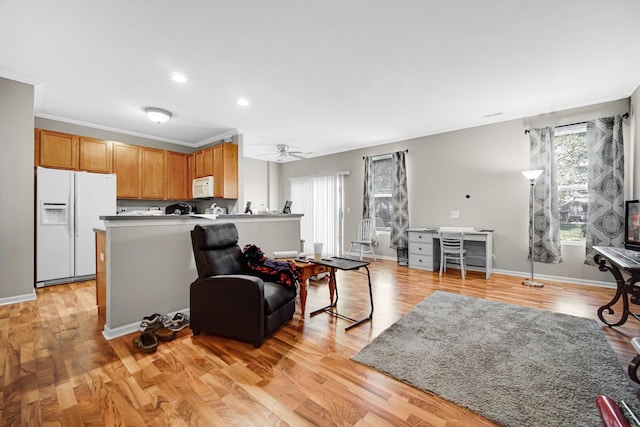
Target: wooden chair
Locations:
point(366, 238)
point(452, 248)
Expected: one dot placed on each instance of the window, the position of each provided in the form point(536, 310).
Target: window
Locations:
point(571, 178)
point(383, 191)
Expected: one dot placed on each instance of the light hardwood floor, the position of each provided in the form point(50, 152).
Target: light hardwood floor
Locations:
point(57, 369)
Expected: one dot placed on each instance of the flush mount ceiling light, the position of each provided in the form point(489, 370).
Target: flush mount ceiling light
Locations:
point(158, 115)
point(178, 77)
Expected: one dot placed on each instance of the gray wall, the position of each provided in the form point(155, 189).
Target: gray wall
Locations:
point(483, 162)
point(261, 185)
point(16, 191)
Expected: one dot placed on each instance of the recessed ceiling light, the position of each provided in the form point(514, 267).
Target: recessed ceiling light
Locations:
point(178, 77)
point(243, 102)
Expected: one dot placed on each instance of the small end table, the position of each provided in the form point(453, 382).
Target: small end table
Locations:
point(337, 263)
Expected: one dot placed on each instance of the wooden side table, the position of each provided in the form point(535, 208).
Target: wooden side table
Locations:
point(305, 271)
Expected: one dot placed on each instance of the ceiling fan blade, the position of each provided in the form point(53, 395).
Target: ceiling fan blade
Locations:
point(294, 154)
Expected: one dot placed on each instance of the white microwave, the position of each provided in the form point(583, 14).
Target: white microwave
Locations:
point(203, 187)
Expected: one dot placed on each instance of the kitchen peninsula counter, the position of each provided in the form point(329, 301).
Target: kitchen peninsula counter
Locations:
point(150, 266)
point(223, 217)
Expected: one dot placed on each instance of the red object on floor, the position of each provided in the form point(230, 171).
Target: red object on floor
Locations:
point(610, 412)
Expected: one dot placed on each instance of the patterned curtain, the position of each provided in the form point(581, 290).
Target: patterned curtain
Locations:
point(368, 201)
point(400, 217)
point(605, 184)
point(546, 214)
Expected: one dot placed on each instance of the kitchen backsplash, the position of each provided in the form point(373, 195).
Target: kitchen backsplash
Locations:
point(200, 206)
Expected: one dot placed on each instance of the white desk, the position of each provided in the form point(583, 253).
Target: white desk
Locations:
point(424, 249)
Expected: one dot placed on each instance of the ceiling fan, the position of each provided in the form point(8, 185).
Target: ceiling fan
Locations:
point(284, 152)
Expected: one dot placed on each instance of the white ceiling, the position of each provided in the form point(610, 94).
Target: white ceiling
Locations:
point(322, 76)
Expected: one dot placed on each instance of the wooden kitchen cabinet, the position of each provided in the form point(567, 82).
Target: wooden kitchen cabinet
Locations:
point(56, 150)
point(94, 155)
point(208, 161)
point(126, 166)
point(142, 172)
point(154, 173)
point(225, 170)
point(198, 163)
point(204, 162)
point(192, 174)
point(177, 176)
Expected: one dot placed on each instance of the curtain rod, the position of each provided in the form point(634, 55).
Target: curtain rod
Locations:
point(386, 154)
point(624, 116)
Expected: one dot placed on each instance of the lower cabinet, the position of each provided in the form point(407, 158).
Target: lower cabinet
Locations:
point(421, 250)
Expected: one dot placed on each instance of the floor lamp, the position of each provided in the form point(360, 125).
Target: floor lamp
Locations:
point(532, 176)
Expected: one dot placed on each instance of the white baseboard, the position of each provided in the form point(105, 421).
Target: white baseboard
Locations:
point(130, 328)
point(18, 298)
point(559, 279)
point(527, 274)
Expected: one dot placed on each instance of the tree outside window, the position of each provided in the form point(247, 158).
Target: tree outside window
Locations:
point(383, 191)
point(571, 180)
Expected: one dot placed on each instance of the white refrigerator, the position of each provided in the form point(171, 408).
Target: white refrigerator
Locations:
point(68, 207)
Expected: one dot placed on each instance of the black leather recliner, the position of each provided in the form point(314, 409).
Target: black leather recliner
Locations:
point(226, 299)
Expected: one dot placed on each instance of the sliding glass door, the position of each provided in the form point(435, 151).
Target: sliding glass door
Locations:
point(319, 198)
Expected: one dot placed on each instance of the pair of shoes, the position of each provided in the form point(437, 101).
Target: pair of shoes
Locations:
point(164, 334)
point(152, 322)
point(178, 322)
point(147, 342)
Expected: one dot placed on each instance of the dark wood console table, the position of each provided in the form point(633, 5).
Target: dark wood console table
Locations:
point(343, 264)
point(617, 261)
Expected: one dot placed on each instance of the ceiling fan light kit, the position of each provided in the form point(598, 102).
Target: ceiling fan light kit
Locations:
point(284, 152)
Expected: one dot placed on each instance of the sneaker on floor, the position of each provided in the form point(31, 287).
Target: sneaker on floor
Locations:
point(178, 322)
point(151, 323)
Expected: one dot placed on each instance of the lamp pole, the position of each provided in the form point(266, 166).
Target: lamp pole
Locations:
point(532, 176)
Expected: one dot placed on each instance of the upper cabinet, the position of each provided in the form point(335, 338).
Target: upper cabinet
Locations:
point(126, 166)
point(56, 150)
point(154, 173)
point(65, 151)
point(204, 162)
point(142, 172)
point(94, 155)
point(225, 170)
point(177, 176)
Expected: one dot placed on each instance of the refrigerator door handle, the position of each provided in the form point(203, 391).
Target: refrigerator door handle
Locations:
point(76, 218)
point(72, 210)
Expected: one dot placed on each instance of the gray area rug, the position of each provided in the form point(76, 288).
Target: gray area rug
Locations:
point(516, 366)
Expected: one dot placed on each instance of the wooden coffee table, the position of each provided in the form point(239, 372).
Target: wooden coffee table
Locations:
point(305, 271)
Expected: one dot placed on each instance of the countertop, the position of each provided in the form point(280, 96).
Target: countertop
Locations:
point(193, 216)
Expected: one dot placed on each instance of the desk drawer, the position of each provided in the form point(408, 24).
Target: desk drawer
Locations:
point(421, 249)
point(420, 261)
point(421, 236)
